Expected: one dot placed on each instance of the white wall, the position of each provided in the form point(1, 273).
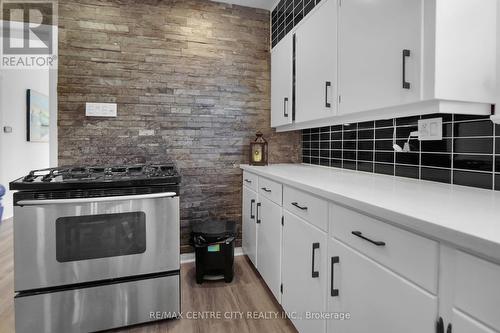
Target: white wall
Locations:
point(497, 108)
point(17, 156)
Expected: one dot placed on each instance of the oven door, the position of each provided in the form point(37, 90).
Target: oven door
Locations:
point(71, 241)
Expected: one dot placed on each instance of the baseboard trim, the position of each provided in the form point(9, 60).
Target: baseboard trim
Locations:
point(189, 257)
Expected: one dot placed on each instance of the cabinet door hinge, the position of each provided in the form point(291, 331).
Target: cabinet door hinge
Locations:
point(281, 288)
point(282, 220)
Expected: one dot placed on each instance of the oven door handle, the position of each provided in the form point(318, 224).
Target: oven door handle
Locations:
point(95, 199)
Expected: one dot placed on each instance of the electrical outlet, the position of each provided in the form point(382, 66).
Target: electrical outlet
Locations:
point(100, 109)
point(430, 129)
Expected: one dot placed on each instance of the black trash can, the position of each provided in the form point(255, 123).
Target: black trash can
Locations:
point(214, 249)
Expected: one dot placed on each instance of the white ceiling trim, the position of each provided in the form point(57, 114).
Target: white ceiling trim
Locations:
point(263, 4)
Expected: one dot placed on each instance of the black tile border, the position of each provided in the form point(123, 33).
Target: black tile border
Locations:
point(469, 153)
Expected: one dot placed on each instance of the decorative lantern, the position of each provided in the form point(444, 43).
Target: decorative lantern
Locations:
point(258, 150)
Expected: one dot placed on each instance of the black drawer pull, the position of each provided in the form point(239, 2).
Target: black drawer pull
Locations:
point(406, 85)
point(252, 216)
point(315, 246)
point(285, 107)
point(440, 326)
point(258, 215)
point(360, 235)
point(248, 181)
point(333, 292)
point(448, 330)
point(266, 189)
point(328, 84)
point(298, 206)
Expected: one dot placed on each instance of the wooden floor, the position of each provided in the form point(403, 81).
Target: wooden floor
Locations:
point(247, 293)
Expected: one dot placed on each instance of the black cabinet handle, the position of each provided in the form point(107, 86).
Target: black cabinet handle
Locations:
point(266, 189)
point(251, 209)
point(298, 206)
point(406, 53)
point(360, 235)
point(448, 330)
point(315, 246)
point(328, 84)
point(285, 107)
point(440, 325)
point(333, 292)
point(258, 215)
point(248, 181)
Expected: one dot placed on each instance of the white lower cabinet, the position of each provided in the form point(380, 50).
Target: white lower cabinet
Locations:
point(269, 244)
point(462, 323)
point(469, 293)
point(304, 273)
point(249, 225)
point(375, 298)
point(358, 274)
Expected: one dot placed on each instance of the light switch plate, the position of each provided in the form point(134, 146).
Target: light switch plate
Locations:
point(100, 109)
point(430, 129)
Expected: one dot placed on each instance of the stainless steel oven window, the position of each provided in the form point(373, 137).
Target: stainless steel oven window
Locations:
point(100, 236)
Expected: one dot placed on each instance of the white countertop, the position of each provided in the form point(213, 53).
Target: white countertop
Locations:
point(466, 217)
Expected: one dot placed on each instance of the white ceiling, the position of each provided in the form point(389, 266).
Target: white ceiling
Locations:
point(264, 4)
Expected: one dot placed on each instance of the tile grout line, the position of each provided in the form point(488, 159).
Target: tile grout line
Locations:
point(452, 149)
point(494, 156)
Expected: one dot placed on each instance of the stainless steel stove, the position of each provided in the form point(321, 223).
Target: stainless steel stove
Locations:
point(95, 247)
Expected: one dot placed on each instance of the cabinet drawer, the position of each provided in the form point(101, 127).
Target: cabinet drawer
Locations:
point(307, 206)
point(271, 190)
point(251, 181)
point(476, 288)
point(410, 255)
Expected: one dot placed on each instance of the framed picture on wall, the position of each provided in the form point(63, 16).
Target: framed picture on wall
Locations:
point(37, 106)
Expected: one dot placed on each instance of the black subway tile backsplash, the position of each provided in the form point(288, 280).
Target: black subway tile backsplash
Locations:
point(474, 145)
point(473, 128)
point(350, 164)
point(443, 146)
point(469, 153)
point(365, 166)
point(407, 158)
point(473, 162)
point(366, 156)
point(407, 171)
point(386, 169)
point(476, 179)
point(436, 160)
point(436, 175)
point(365, 145)
point(382, 156)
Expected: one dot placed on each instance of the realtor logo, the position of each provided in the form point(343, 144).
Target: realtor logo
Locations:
point(28, 34)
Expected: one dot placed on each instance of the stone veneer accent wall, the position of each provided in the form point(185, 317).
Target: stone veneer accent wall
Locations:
point(192, 82)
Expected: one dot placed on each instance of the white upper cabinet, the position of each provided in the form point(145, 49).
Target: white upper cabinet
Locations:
point(358, 60)
point(316, 64)
point(281, 82)
point(460, 50)
point(380, 53)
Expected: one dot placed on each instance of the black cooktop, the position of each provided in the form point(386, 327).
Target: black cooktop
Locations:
point(75, 178)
